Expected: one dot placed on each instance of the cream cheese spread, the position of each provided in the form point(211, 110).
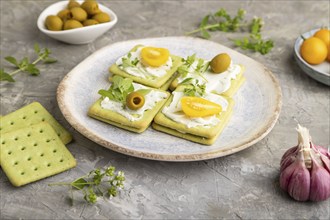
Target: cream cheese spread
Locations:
point(218, 83)
point(139, 69)
point(174, 111)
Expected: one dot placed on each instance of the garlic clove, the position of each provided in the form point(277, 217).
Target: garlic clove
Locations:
point(322, 150)
point(287, 162)
point(320, 182)
point(291, 151)
point(299, 184)
point(326, 162)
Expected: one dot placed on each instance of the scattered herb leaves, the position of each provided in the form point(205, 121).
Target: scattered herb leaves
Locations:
point(97, 183)
point(189, 66)
point(119, 89)
point(25, 65)
point(255, 42)
point(222, 21)
point(197, 90)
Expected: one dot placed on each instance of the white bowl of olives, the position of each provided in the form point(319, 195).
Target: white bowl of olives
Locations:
point(76, 22)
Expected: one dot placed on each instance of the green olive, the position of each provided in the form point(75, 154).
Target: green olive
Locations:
point(73, 4)
point(72, 24)
point(220, 63)
point(64, 14)
point(54, 23)
point(78, 14)
point(89, 22)
point(102, 17)
point(134, 101)
point(91, 7)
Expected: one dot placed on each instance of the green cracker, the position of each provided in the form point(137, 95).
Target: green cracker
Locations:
point(199, 134)
point(191, 137)
point(157, 82)
point(33, 153)
point(116, 119)
point(29, 115)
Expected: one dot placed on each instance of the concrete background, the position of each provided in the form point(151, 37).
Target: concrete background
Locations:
point(244, 185)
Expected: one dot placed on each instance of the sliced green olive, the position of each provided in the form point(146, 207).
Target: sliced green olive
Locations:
point(134, 100)
point(220, 63)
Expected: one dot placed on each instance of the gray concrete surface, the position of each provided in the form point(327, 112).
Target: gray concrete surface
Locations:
point(244, 185)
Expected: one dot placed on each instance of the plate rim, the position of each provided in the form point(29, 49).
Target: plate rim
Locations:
point(263, 131)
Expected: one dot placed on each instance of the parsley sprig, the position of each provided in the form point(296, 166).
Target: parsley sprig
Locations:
point(222, 21)
point(97, 183)
point(119, 89)
point(25, 65)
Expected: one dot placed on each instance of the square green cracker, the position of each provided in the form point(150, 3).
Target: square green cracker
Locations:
point(154, 82)
point(32, 114)
point(33, 153)
point(199, 134)
point(111, 117)
point(192, 137)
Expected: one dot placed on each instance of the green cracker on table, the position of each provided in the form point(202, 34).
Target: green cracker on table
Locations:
point(156, 82)
point(111, 117)
point(32, 114)
point(33, 153)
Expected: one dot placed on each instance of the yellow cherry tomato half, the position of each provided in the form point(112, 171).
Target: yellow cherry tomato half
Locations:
point(154, 56)
point(199, 107)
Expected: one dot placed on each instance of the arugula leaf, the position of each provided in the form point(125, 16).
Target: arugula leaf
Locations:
point(119, 89)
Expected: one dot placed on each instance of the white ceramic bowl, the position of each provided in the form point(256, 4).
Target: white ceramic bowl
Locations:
point(75, 36)
point(320, 72)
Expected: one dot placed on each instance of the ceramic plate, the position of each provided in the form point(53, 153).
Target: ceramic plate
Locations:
point(258, 104)
point(320, 72)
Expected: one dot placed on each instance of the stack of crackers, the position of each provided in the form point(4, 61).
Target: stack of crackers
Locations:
point(171, 81)
point(33, 145)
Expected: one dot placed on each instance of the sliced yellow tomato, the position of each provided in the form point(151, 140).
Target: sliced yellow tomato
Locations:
point(199, 107)
point(154, 56)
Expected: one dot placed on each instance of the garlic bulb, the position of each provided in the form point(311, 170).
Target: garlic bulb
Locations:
point(305, 170)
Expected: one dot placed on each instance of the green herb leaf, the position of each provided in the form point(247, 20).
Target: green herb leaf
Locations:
point(12, 60)
point(50, 60)
point(25, 65)
point(119, 89)
point(222, 21)
point(79, 183)
point(5, 76)
point(195, 90)
point(32, 69)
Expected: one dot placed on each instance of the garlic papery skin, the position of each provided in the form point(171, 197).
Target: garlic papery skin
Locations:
point(305, 170)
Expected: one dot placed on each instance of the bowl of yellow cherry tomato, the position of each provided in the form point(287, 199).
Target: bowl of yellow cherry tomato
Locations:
point(312, 53)
point(76, 22)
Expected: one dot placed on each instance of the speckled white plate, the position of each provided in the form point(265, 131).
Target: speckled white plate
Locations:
point(258, 104)
point(320, 72)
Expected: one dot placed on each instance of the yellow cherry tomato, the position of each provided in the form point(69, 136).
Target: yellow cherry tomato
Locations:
point(313, 50)
point(199, 107)
point(154, 56)
point(324, 35)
